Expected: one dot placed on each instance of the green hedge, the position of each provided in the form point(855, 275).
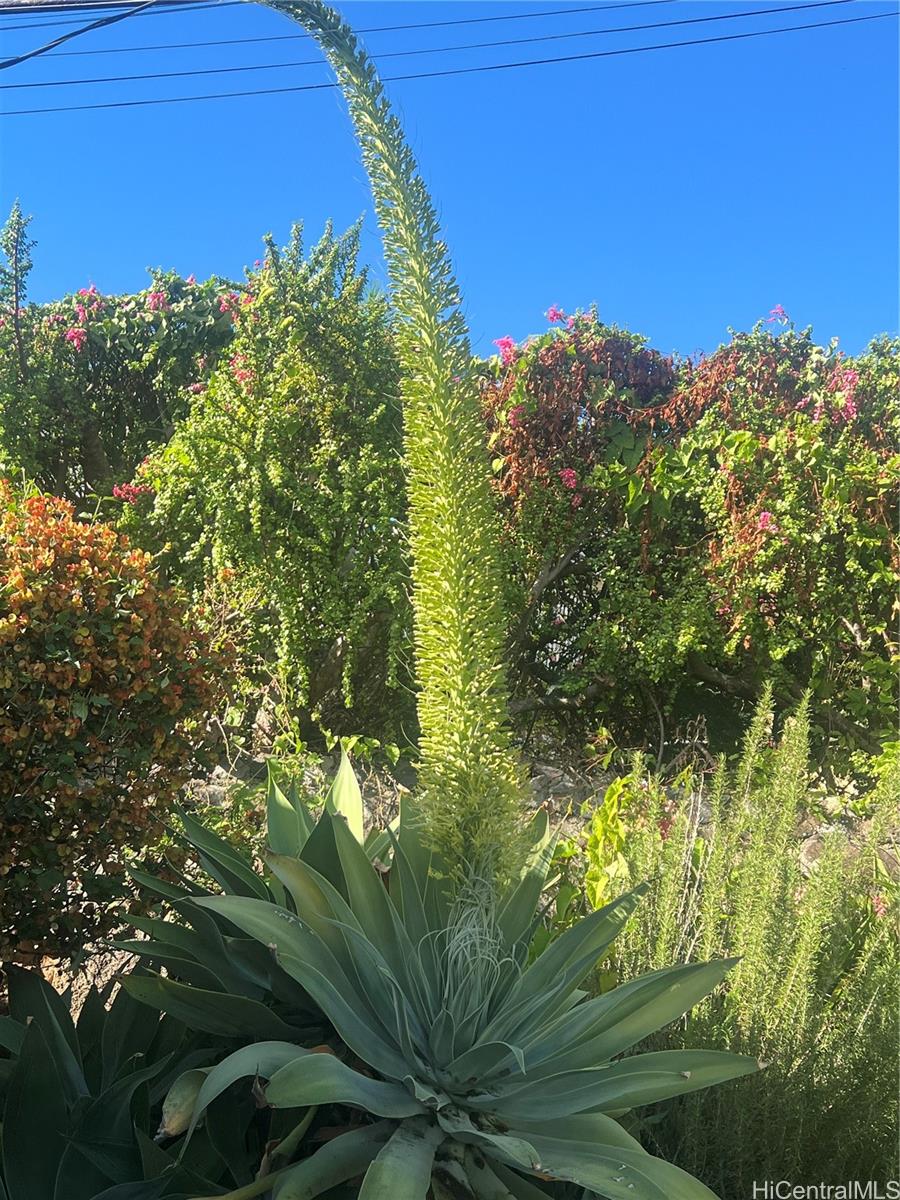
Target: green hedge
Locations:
point(679, 533)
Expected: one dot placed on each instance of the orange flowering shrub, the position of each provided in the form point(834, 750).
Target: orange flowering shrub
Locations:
point(103, 687)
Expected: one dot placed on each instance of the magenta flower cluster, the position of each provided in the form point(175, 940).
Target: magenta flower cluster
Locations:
point(130, 493)
point(507, 347)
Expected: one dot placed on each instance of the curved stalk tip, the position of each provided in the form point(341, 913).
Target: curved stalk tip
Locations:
point(471, 779)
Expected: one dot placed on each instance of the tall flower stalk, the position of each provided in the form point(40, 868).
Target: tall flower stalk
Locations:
point(470, 775)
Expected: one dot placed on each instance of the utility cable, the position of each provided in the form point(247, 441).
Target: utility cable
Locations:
point(170, 6)
point(184, 5)
point(66, 37)
point(314, 87)
point(548, 37)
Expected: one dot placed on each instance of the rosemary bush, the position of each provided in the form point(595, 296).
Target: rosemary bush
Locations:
point(815, 993)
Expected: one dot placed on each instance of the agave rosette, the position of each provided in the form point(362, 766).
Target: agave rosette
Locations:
point(484, 1073)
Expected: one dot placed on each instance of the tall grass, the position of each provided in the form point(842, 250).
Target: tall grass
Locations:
point(815, 994)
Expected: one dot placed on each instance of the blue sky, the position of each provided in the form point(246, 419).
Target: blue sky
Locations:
point(684, 191)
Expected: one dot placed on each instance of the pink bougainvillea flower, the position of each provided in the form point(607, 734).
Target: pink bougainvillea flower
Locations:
point(514, 417)
point(77, 337)
point(766, 522)
point(555, 314)
point(570, 324)
point(88, 291)
point(191, 279)
point(777, 314)
point(577, 500)
point(569, 478)
point(228, 303)
point(197, 388)
point(157, 301)
point(130, 493)
point(849, 409)
point(507, 347)
point(81, 312)
point(247, 298)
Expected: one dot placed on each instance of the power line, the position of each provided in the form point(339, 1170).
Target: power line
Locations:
point(377, 29)
point(548, 37)
point(170, 6)
point(110, 20)
point(182, 5)
point(74, 6)
point(315, 87)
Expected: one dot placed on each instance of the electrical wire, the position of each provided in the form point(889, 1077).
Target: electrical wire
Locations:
point(182, 5)
point(315, 87)
point(97, 5)
point(549, 37)
point(169, 6)
point(293, 37)
point(66, 37)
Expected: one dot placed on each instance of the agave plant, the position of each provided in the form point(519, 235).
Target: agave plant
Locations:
point(82, 1100)
point(216, 980)
point(482, 1074)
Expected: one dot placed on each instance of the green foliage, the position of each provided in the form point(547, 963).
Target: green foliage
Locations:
point(16, 247)
point(89, 383)
point(104, 688)
point(469, 775)
point(478, 1066)
point(677, 536)
point(219, 982)
point(278, 498)
point(81, 1099)
point(815, 992)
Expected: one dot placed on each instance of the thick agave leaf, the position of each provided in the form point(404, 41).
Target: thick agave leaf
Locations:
point(344, 1157)
point(323, 1079)
point(213, 1012)
point(222, 861)
point(402, 1170)
point(484, 1062)
point(319, 902)
point(519, 1188)
point(354, 1025)
point(300, 953)
point(371, 903)
point(600, 1029)
point(345, 799)
point(494, 1181)
point(592, 1128)
point(640, 1079)
point(288, 821)
point(35, 1121)
point(261, 1060)
point(32, 999)
point(510, 1147)
point(584, 943)
point(618, 1174)
point(517, 916)
point(101, 1149)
